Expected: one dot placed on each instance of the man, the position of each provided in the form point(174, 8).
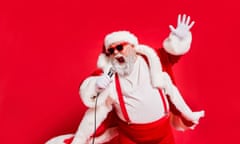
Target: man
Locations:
point(134, 87)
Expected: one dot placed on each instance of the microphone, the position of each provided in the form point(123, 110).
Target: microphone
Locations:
point(111, 72)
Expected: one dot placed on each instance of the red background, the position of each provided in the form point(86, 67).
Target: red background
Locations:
point(48, 47)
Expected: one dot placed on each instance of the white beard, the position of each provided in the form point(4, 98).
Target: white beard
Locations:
point(124, 68)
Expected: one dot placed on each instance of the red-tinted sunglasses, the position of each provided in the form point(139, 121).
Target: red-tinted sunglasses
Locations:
point(118, 47)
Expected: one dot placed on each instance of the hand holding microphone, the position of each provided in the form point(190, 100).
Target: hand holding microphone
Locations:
point(104, 80)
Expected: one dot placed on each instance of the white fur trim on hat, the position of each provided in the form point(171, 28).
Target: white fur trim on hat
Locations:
point(120, 36)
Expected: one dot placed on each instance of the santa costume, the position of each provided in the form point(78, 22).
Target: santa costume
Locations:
point(140, 107)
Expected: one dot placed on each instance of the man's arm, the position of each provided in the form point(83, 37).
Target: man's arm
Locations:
point(176, 44)
point(180, 38)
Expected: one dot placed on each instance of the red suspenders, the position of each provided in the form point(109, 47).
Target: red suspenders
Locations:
point(121, 100)
point(164, 101)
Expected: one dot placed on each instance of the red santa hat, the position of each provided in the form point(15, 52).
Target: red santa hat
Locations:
point(120, 36)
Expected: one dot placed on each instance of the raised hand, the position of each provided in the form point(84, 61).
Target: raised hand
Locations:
point(184, 24)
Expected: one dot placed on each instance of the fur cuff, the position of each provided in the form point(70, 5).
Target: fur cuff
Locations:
point(176, 46)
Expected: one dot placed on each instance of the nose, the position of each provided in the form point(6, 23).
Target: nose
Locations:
point(115, 51)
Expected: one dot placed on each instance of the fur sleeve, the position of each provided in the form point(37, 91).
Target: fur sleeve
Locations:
point(177, 100)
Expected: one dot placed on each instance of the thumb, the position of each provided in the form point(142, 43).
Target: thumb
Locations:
point(172, 29)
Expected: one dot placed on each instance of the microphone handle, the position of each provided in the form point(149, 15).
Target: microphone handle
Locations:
point(111, 72)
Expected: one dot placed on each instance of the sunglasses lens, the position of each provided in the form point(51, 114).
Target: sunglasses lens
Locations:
point(111, 50)
point(119, 47)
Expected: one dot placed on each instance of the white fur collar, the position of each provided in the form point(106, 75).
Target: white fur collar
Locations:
point(153, 60)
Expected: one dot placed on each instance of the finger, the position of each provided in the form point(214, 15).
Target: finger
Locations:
point(188, 20)
point(105, 85)
point(191, 25)
point(179, 19)
point(172, 29)
point(184, 18)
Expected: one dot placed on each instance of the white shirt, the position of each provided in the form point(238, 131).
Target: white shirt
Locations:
point(143, 102)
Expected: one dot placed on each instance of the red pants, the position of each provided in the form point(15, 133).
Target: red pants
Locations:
point(158, 132)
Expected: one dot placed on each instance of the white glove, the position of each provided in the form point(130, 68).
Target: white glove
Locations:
point(183, 26)
point(103, 82)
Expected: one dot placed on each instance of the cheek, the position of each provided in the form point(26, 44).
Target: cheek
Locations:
point(126, 51)
point(111, 58)
point(130, 51)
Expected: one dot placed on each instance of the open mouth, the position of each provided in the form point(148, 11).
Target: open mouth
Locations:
point(120, 59)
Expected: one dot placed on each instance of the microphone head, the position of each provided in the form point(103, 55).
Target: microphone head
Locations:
point(111, 72)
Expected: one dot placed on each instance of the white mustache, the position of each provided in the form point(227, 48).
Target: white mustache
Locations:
point(118, 56)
